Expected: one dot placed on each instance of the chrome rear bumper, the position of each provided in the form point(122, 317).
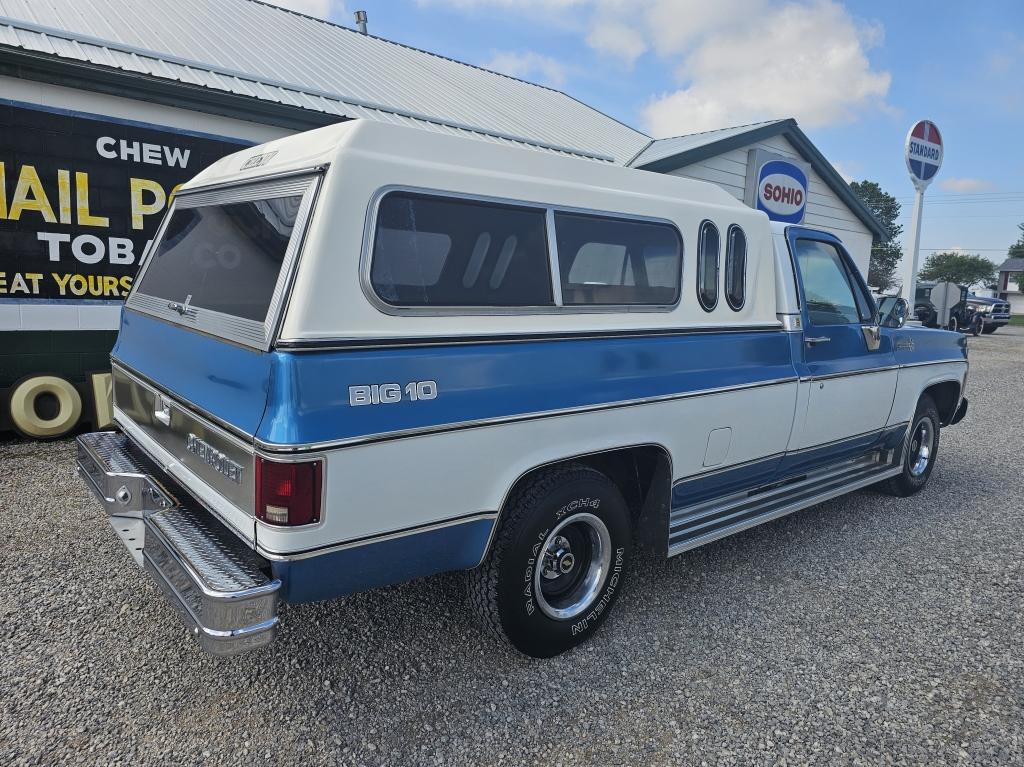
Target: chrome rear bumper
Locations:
point(209, 575)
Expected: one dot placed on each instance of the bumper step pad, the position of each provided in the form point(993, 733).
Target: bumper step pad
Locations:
point(208, 573)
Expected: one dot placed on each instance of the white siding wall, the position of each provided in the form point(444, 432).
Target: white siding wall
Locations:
point(824, 208)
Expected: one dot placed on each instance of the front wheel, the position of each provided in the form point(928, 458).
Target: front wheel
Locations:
point(922, 447)
point(990, 329)
point(557, 563)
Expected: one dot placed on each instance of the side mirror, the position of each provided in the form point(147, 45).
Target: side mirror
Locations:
point(896, 317)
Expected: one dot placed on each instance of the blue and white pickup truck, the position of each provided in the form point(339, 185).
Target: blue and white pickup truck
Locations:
point(369, 353)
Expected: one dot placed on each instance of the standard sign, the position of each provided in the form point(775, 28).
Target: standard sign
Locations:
point(923, 152)
point(777, 185)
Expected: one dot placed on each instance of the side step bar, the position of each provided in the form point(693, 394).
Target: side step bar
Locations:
point(693, 526)
point(214, 580)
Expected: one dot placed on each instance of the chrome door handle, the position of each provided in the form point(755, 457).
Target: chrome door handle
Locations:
point(816, 341)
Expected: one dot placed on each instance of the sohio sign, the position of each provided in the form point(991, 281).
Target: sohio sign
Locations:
point(778, 186)
point(782, 191)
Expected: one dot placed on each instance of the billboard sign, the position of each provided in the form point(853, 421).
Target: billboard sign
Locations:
point(81, 196)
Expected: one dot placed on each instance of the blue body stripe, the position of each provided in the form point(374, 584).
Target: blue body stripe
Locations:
point(309, 396)
point(456, 547)
point(750, 476)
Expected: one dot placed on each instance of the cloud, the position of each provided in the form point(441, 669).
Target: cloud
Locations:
point(617, 39)
point(803, 60)
point(735, 61)
point(531, 5)
point(847, 170)
point(529, 66)
point(321, 9)
point(963, 185)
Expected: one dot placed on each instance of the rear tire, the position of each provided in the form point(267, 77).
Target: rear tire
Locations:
point(557, 563)
point(920, 451)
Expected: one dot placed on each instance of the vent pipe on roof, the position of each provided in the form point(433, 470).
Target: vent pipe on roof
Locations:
point(361, 21)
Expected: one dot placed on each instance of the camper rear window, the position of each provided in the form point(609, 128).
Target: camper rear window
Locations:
point(447, 252)
point(225, 258)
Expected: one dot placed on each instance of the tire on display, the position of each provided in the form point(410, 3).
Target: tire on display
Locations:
point(21, 407)
point(557, 562)
point(920, 452)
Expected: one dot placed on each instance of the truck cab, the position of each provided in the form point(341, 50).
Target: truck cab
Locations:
point(371, 353)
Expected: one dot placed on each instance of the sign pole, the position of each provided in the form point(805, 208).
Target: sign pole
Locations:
point(911, 259)
point(923, 152)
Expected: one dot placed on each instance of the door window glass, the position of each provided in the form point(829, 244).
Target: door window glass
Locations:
point(828, 292)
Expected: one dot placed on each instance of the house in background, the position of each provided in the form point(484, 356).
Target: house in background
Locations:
point(1007, 287)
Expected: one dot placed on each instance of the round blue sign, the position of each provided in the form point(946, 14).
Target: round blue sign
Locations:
point(782, 191)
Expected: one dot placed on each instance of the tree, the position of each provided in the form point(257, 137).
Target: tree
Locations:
point(1017, 251)
point(885, 252)
point(961, 268)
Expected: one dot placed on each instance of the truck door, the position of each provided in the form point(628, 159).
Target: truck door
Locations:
point(848, 368)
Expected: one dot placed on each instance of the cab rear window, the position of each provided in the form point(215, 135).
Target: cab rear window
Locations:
point(225, 258)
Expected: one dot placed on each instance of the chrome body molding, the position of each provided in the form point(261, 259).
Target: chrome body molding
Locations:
point(291, 556)
point(880, 369)
point(348, 344)
point(702, 523)
point(484, 422)
point(851, 373)
point(196, 411)
point(145, 408)
point(281, 176)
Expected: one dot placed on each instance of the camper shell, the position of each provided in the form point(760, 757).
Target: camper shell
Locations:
point(358, 355)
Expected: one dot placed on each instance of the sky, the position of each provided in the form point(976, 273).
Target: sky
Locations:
point(855, 75)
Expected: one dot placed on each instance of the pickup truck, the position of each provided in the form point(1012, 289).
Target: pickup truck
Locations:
point(370, 353)
point(994, 312)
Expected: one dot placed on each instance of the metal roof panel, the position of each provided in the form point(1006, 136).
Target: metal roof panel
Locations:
point(288, 58)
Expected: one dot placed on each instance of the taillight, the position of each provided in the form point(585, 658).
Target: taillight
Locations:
point(288, 494)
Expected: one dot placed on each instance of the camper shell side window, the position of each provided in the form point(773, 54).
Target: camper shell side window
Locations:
point(434, 251)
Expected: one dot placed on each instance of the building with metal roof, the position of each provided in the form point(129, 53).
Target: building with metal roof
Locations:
point(112, 92)
point(107, 105)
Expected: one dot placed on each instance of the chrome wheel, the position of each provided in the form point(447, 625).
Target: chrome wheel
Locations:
point(922, 444)
point(572, 566)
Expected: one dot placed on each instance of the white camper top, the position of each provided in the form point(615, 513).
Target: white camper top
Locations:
point(361, 160)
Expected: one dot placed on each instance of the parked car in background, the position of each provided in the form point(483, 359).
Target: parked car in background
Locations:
point(995, 312)
point(960, 315)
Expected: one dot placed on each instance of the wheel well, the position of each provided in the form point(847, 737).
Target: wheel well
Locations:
point(946, 396)
point(643, 474)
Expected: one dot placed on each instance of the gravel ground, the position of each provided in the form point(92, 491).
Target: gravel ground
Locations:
point(867, 630)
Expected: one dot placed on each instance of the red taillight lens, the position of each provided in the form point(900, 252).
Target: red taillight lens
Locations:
point(288, 494)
